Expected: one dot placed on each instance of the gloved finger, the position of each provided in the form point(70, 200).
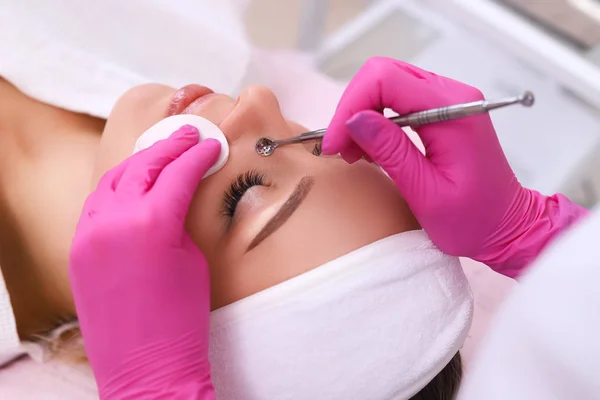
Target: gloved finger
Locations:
point(108, 182)
point(145, 167)
point(387, 83)
point(377, 85)
point(393, 151)
point(177, 183)
point(352, 154)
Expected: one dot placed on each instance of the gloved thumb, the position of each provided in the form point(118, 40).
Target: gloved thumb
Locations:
point(179, 180)
point(389, 146)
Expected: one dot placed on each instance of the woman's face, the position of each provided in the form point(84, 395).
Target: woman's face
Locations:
point(262, 220)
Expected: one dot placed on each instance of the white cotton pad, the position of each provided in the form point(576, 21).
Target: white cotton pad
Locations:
point(167, 126)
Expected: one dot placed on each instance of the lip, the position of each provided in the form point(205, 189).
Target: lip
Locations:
point(191, 109)
point(185, 96)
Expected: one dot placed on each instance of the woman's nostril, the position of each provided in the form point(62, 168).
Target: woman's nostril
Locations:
point(312, 146)
point(317, 150)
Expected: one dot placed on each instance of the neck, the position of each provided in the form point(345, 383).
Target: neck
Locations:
point(33, 135)
point(17, 110)
point(23, 117)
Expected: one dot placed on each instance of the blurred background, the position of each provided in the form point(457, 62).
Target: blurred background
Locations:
point(503, 47)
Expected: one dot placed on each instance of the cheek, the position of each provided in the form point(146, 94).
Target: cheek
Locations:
point(203, 222)
point(135, 112)
point(350, 206)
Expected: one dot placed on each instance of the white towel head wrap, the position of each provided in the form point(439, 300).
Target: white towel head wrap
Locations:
point(378, 323)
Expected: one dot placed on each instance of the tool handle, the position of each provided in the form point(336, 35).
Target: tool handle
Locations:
point(440, 114)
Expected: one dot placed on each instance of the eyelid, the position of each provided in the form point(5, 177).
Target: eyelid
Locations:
point(238, 189)
point(242, 207)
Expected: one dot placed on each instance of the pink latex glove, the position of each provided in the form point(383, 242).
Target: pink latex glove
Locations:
point(140, 284)
point(463, 192)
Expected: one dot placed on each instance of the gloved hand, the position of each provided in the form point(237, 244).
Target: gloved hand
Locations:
point(463, 191)
point(141, 285)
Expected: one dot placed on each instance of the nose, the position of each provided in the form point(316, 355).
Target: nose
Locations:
point(257, 113)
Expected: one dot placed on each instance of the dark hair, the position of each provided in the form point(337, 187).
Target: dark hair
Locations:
point(445, 384)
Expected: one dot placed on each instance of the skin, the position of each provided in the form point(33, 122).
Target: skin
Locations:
point(346, 206)
point(46, 164)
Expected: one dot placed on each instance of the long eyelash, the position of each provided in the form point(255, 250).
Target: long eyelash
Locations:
point(238, 188)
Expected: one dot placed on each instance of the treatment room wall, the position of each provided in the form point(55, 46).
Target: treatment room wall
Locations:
point(275, 23)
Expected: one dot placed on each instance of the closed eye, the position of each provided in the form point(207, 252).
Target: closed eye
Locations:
point(238, 188)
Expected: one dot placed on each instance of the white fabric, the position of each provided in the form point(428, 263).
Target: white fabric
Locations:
point(9, 339)
point(545, 343)
point(56, 380)
point(377, 323)
point(82, 55)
